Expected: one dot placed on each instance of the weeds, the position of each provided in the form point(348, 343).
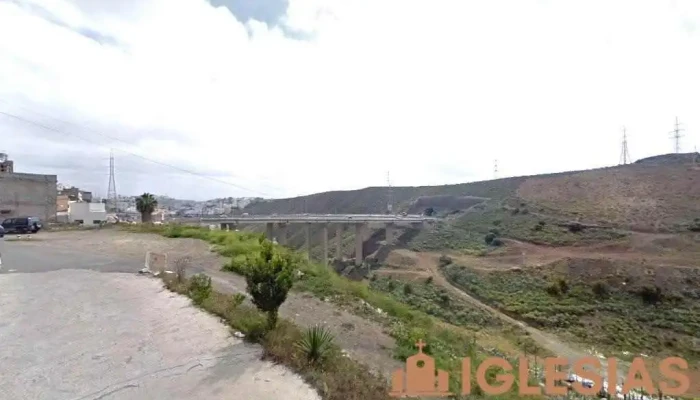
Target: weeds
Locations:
point(199, 288)
point(337, 378)
point(316, 343)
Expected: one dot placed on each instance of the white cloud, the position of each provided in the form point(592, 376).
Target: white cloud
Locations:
point(416, 87)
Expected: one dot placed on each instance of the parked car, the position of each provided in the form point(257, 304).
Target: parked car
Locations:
point(22, 225)
point(2, 232)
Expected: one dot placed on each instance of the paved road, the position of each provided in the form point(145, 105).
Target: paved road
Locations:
point(70, 332)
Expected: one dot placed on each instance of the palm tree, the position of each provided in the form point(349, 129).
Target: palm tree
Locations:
point(146, 204)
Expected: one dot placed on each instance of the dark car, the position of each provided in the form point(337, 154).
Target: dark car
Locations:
point(22, 225)
point(2, 232)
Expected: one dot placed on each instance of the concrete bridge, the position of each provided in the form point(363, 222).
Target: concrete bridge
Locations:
point(276, 227)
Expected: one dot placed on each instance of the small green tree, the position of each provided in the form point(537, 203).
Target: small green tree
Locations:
point(269, 277)
point(146, 204)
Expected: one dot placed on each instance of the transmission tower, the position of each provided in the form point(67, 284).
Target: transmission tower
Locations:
point(389, 194)
point(495, 169)
point(112, 188)
point(624, 153)
point(677, 137)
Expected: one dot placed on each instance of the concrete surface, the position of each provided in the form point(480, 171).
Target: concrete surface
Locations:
point(79, 334)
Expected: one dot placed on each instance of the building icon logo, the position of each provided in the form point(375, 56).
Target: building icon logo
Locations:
point(419, 377)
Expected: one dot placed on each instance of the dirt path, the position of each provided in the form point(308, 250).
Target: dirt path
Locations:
point(426, 262)
point(351, 332)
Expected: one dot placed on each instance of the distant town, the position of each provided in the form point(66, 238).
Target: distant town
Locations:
point(41, 196)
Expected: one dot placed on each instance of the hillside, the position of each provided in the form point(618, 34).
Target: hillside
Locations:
point(659, 194)
point(655, 193)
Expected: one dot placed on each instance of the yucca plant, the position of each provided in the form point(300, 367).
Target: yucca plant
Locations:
point(316, 343)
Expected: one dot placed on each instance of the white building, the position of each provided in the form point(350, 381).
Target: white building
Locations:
point(87, 213)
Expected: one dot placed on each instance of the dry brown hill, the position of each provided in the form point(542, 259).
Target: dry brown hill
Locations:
point(660, 193)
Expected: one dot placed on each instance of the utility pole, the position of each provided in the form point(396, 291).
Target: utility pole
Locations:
point(495, 169)
point(624, 153)
point(677, 137)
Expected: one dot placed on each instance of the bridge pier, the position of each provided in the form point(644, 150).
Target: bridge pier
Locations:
point(282, 234)
point(270, 231)
point(324, 243)
point(360, 230)
point(307, 241)
point(390, 233)
point(339, 241)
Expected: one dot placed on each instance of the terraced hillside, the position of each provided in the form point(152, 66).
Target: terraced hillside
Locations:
point(603, 260)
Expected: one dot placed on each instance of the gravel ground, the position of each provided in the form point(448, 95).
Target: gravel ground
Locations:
point(80, 334)
point(111, 250)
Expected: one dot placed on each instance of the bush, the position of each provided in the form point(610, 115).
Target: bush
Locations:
point(429, 280)
point(497, 242)
point(563, 285)
point(489, 238)
point(316, 343)
point(601, 289)
point(650, 294)
point(407, 289)
point(445, 260)
point(269, 277)
point(199, 288)
point(237, 299)
point(553, 290)
point(575, 227)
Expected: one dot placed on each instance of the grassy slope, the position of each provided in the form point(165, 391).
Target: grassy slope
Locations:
point(407, 324)
point(611, 316)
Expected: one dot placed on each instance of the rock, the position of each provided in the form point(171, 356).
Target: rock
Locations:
point(238, 334)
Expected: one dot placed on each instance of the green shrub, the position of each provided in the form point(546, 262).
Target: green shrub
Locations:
point(489, 238)
point(269, 277)
point(199, 288)
point(237, 299)
point(563, 285)
point(650, 294)
point(553, 290)
point(316, 343)
point(601, 289)
point(407, 289)
point(445, 260)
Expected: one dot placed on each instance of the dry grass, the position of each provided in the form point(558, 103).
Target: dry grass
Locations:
point(640, 197)
point(337, 378)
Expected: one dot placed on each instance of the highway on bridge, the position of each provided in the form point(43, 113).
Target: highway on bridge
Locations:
point(313, 218)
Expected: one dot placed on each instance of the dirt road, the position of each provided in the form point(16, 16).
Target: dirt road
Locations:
point(117, 251)
point(428, 263)
point(80, 334)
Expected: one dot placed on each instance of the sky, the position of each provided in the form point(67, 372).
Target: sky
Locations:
point(200, 99)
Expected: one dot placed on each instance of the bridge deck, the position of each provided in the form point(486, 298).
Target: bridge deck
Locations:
point(314, 218)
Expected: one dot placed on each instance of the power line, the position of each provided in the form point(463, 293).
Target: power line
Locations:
point(677, 136)
point(133, 154)
point(624, 152)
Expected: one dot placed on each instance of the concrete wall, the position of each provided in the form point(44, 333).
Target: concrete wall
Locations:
point(87, 212)
point(28, 195)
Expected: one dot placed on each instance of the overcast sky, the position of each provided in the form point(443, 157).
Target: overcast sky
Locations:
point(278, 98)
